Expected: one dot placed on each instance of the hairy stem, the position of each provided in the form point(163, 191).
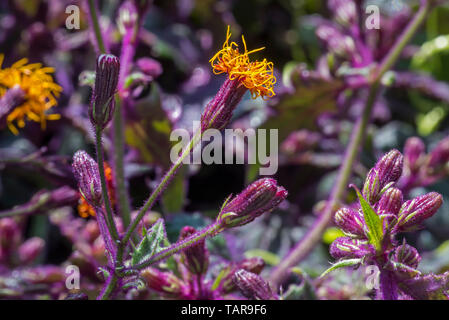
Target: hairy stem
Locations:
point(313, 236)
point(107, 202)
point(109, 289)
point(209, 231)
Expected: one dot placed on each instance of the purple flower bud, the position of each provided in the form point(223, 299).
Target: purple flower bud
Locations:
point(390, 167)
point(254, 265)
point(407, 255)
point(218, 111)
point(127, 17)
point(336, 41)
point(414, 151)
point(195, 257)
point(252, 285)
point(149, 66)
point(344, 11)
point(386, 171)
point(164, 282)
point(261, 196)
point(390, 202)
point(414, 212)
point(350, 221)
point(346, 247)
point(30, 249)
point(86, 173)
point(439, 156)
point(9, 237)
point(106, 78)
point(12, 98)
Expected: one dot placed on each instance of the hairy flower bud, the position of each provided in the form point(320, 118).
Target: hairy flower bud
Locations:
point(87, 174)
point(102, 104)
point(252, 285)
point(414, 151)
point(414, 212)
point(407, 255)
point(390, 202)
point(30, 249)
point(163, 282)
point(346, 247)
point(350, 221)
point(386, 171)
point(195, 257)
point(218, 111)
point(261, 196)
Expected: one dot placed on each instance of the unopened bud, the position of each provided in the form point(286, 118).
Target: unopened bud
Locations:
point(390, 202)
point(218, 111)
point(195, 257)
point(386, 171)
point(87, 174)
point(252, 285)
point(414, 212)
point(259, 197)
point(439, 156)
point(30, 249)
point(350, 221)
point(414, 151)
point(407, 255)
point(163, 282)
point(106, 78)
point(346, 247)
point(254, 264)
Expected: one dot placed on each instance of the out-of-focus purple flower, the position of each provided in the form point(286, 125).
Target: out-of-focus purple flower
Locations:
point(414, 151)
point(252, 285)
point(86, 173)
point(149, 66)
point(127, 17)
point(259, 197)
point(102, 105)
point(346, 247)
point(344, 11)
point(439, 156)
point(299, 141)
point(30, 249)
point(11, 99)
point(335, 41)
point(195, 257)
point(414, 212)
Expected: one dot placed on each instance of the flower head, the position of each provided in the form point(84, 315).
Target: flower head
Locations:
point(256, 76)
point(39, 93)
point(86, 173)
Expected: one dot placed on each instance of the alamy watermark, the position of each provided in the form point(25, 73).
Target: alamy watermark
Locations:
point(248, 146)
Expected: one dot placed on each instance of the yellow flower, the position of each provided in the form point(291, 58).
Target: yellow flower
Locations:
point(257, 76)
point(40, 92)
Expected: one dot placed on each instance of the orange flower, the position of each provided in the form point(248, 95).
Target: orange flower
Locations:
point(40, 92)
point(85, 209)
point(257, 76)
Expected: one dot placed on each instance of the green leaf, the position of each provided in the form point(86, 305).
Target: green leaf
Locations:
point(372, 220)
point(341, 264)
point(153, 241)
